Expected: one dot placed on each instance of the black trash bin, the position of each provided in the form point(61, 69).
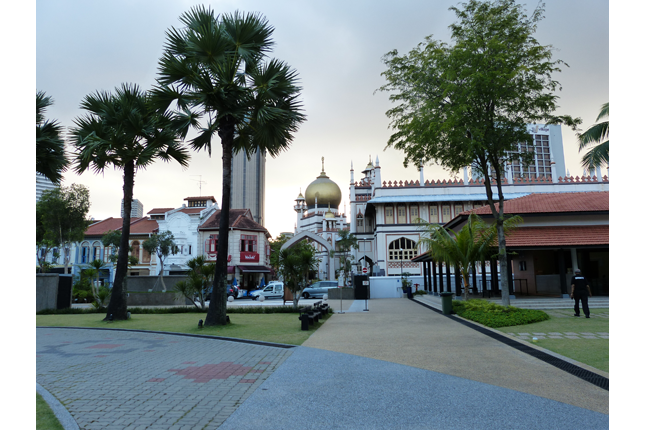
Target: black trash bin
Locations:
point(446, 302)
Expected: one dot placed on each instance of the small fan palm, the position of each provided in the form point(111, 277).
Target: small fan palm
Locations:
point(51, 160)
point(473, 243)
point(122, 130)
point(597, 134)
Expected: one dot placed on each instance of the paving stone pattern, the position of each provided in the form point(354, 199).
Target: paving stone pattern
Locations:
point(109, 379)
point(564, 335)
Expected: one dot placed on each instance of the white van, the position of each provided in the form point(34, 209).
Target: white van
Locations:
point(275, 290)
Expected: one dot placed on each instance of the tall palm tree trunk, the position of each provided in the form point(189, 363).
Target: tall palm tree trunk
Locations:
point(217, 307)
point(118, 306)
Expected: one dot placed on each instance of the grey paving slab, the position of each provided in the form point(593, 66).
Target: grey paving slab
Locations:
point(317, 389)
point(114, 379)
point(404, 332)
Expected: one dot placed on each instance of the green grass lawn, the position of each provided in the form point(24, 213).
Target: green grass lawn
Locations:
point(45, 418)
point(593, 352)
point(278, 328)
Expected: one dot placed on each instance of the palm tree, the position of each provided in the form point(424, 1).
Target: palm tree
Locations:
point(50, 146)
point(596, 134)
point(124, 131)
point(216, 66)
point(463, 248)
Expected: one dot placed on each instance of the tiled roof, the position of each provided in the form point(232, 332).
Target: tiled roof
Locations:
point(102, 227)
point(159, 210)
point(238, 219)
point(137, 226)
point(558, 236)
point(143, 226)
point(553, 203)
point(191, 210)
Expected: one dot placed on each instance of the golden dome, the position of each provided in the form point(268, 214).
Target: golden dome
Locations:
point(324, 192)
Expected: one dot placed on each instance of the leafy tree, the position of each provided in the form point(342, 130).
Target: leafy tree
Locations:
point(469, 103)
point(50, 145)
point(295, 263)
point(463, 248)
point(123, 130)
point(61, 218)
point(162, 244)
point(344, 244)
point(597, 134)
point(275, 245)
point(217, 66)
point(200, 279)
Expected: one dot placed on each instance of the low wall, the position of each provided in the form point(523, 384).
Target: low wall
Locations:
point(387, 287)
point(156, 299)
point(145, 283)
point(335, 293)
point(46, 291)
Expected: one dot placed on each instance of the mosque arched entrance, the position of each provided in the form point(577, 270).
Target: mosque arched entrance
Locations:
point(303, 235)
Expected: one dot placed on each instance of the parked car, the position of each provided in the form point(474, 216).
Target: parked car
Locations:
point(318, 289)
point(271, 291)
point(230, 291)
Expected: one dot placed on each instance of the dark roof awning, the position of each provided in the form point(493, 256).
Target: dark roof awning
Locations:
point(254, 269)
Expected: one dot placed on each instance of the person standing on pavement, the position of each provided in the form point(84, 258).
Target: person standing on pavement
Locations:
point(581, 292)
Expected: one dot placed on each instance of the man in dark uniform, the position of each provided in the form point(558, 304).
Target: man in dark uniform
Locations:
point(581, 292)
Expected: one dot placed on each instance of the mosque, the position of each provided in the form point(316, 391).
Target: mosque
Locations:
point(384, 215)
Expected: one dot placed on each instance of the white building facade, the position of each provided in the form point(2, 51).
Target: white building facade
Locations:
point(385, 214)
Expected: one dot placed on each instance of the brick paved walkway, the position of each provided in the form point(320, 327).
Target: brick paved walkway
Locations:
point(133, 380)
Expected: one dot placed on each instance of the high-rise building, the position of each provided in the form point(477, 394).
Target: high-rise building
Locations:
point(247, 183)
point(43, 184)
point(136, 211)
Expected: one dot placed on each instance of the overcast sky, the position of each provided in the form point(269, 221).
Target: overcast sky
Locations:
point(337, 49)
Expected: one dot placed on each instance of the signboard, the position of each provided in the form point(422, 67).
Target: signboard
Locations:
point(249, 256)
point(365, 269)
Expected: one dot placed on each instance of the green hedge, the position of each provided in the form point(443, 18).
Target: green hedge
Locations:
point(494, 315)
point(178, 310)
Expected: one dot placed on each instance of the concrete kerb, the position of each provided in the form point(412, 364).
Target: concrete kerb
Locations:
point(584, 366)
point(63, 415)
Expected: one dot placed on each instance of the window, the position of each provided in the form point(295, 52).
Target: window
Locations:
point(459, 209)
point(359, 222)
point(407, 246)
point(539, 163)
point(248, 243)
point(145, 257)
point(197, 204)
point(414, 214)
point(445, 213)
point(434, 217)
point(401, 215)
point(85, 253)
point(389, 215)
point(54, 255)
point(210, 246)
point(107, 252)
point(135, 249)
point(96, 251)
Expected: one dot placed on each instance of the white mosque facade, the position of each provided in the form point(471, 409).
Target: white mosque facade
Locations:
point(384, 214)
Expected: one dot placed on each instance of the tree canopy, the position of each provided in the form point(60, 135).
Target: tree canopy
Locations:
point(51, 160)
point(295, 263)
point(596, 136)
point(61, 217)
point(468, 103)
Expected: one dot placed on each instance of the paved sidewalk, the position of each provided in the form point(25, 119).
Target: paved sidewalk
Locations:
point(397, 366)
point(134, 380)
